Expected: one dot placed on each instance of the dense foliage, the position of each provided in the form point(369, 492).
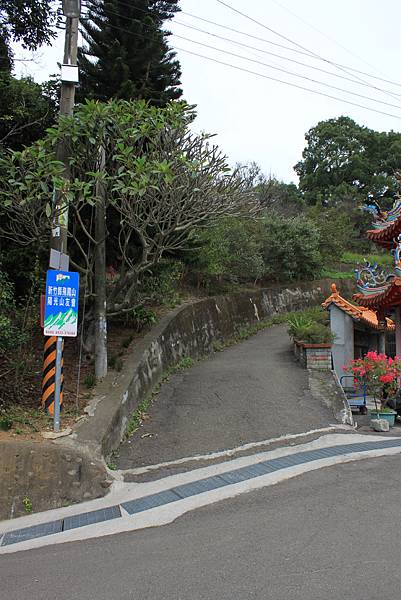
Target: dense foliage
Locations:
point(28, 21)
point(160, 183)
point(26, 111)
point(126, 53)
point(343, 159)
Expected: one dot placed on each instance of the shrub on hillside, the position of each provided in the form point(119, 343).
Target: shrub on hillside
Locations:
point(310, 328)
point(290, 248)
point(231, 249)
point(10, 335)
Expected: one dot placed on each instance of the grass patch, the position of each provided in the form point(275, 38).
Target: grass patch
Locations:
point(21, 419)
point(352, 258)
point(126, 342)
point(27, 504)
point(327, 274)
point(115, 362)
point(90, 381)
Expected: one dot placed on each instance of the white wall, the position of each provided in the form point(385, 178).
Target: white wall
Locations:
point(343, 346)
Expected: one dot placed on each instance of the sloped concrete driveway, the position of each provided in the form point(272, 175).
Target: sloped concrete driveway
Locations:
point(250, 392)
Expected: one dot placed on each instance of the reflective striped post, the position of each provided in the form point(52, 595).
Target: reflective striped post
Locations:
point(49, 376)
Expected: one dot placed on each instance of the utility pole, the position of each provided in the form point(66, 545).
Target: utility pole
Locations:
point(100, 275)
point(69, 80)
point(52, 367)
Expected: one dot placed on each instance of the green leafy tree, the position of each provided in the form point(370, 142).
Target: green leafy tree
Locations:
point(291, 248)
point(231, 249)
point(127, 55)
point(28, 21)
point(342, 158)
point(158, 183)
point(273, 194)
point(285, 198)
point(336, 231)
point(26, 110)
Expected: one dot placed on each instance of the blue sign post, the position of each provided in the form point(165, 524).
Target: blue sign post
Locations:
point(60, 320)
point(61, 308)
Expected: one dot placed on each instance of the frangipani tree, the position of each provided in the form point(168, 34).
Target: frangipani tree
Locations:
point(134, 168)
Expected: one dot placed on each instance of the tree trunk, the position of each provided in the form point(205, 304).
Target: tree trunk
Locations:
point(100, 280)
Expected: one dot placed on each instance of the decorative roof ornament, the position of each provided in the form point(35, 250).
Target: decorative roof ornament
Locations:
point(372, 279)
point(384, 218)
point(397, 256)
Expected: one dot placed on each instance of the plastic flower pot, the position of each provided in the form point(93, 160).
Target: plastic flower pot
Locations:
point(386, 415)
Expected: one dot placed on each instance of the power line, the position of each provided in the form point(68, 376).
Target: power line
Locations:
point(284, 37)
point(334, 87)
point(300, 87)
point(308, 54)
point(280, 56)
point(255, 37)
point(369, 98)
point(291, 12)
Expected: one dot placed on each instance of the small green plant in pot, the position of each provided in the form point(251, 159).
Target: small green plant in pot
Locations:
point(380, 374)
point(304, 329)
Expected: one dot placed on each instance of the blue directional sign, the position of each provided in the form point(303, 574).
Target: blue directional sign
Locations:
point(61, 308)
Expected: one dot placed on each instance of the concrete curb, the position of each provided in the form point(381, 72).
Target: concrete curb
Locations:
point(134, 507)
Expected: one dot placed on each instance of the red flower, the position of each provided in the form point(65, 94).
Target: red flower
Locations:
point(386, 378)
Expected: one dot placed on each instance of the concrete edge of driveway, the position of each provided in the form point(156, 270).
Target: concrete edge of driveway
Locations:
point(326, 388)
point(133, 507)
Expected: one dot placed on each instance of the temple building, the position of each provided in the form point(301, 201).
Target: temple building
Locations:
point(357, 330)
point(379, 291)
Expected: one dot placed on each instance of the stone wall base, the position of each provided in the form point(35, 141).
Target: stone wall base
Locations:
point(313, 356)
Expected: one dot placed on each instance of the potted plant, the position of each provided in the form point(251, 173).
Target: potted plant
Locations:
point(312, 341)
point(380, 374)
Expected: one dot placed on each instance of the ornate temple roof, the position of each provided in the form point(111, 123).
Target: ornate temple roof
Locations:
point(357, 313)
point(384, 299)
point(387, 223)
point(385, 236)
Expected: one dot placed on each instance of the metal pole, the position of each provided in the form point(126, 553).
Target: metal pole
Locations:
point(59, 224)
point(57, 390)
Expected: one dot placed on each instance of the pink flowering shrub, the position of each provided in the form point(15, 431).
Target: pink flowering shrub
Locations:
point(379, 372)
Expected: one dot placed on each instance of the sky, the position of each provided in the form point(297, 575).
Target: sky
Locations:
point(258, 119)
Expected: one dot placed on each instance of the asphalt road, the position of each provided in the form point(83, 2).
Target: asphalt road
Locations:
point(249, 392)
point(331, 534)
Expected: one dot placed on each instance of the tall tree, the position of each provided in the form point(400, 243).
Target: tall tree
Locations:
point(27, 109)
point(342, 158)
point(127, 55)
point(28, 21)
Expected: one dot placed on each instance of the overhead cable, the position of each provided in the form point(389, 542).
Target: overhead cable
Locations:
point(312, 53)
point(241, 57)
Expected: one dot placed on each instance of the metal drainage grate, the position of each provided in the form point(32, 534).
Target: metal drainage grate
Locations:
point(148, 502)
point(96, 516)
point(191, 489)
point(30, 533)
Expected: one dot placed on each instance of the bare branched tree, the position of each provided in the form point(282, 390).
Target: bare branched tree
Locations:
point(159, 184)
